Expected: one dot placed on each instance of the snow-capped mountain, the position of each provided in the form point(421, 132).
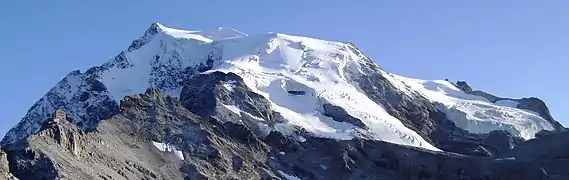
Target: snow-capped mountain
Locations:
point(300, 76)
point(222, 104)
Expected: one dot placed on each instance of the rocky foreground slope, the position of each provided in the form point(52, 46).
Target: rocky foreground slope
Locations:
point(224, 105)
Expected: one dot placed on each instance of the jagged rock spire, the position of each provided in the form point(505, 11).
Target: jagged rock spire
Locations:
point(462, 85)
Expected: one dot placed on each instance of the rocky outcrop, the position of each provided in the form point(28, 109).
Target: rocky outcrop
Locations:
point(204, 92)
point(339, 114)
point(4, 168)
point(207, 96)
point(32, 164)
point(62, 132)
point(462, 85)
point(212, 149)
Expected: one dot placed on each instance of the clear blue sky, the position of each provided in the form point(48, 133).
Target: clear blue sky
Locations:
point(507, 47)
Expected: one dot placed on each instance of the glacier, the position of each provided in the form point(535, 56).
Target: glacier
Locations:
point(476, 114)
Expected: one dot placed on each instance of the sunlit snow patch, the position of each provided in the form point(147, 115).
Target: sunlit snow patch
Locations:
point(229, 85)
point(168, 148)
point(287, 176)
point(508, 158)
point(238, 111)
point(233, 109)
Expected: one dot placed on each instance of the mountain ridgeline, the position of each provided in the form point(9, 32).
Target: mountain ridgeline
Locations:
point(222, 104)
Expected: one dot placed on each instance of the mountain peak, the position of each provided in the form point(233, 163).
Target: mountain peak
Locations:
point(215, 34)
point(169, 30)
point(156, 29)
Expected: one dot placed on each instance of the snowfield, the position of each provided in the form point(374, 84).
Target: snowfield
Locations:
point(274, 65)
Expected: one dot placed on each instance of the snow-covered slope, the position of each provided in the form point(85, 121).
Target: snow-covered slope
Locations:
point(475, 113)
point(298, 75)
point(274, 64)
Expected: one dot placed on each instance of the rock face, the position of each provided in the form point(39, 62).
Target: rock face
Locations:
point(339, 114)
point(4, 168)
point(209, 97)
point(462, 85)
